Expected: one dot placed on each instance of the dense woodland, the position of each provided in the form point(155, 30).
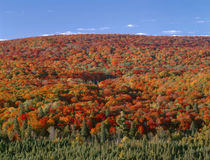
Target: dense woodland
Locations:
point(104, 88)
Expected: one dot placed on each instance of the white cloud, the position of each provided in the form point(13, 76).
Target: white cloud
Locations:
point(63, 33)
point(131, 26)
point(86, 29)
point(104, 28)
point(3, 39)
point(67, 33)
point(172, 32)
point(203, 21)
point(205, 35)
point(46, 34)
point(141, 33)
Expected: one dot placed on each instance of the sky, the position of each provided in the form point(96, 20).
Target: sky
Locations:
point(28, 18)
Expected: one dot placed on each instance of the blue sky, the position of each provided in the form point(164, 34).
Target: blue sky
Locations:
point(26, 18)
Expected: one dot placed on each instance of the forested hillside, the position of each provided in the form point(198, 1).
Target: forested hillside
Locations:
point(120, 85)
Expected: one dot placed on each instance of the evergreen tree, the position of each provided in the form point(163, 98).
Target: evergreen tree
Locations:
point(187, 108)
point(133, 130)
point(23, 129)
point(26, 108)
point(16, 126)
point(22, 110)
point(84, 130)
point(41, 113)
point(107, 113)
point(1, 133)
point(67, 131)
point(195, 108)
point(28, 132)
point(123, 129)
point(73, 130)
point(193, 128)
point(103, 133)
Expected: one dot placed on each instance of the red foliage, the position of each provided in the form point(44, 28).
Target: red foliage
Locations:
point(156, 81)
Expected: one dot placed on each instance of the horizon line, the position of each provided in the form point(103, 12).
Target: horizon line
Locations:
point(146, 35)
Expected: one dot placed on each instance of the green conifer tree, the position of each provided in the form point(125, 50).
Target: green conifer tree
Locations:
point(16, 126)
point(193, 128)
point(41, 113)
point(67, 131)
point(84, 129)
point(103, 133)
point(22, 110)
point(122, 127)
point(26, 108)
point(187, 108)
point(195, 108)
point(107, 113)
point(23, 129)
point(133, 130)
point(28, 132)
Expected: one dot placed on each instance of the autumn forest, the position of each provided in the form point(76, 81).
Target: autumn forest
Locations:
point(107, 89)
